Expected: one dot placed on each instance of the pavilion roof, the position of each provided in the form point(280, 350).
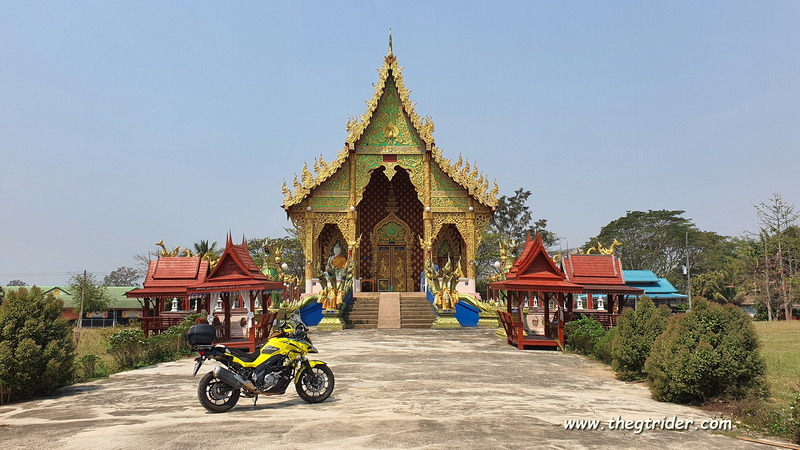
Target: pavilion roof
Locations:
point(235, 271)
point(421, 132)
point(601, 274)
point(170, 276)
point(535, 271)
point(593, 269)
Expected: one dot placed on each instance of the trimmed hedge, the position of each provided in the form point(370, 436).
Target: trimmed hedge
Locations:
point(711, 351)
point(636, 332)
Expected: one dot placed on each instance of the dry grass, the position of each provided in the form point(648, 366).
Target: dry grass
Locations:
point(92, 341)
point(780, 345)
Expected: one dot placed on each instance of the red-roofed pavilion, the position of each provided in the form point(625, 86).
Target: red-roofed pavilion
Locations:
point(168, 278)
point(237, 281)
point(535, 276)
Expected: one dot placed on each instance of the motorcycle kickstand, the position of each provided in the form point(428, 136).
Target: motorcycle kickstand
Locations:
point(255, 399)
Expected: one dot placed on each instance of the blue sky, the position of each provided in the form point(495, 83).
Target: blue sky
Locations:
point(123, 123)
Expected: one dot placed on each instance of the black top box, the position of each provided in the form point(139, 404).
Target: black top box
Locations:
point(201, 334)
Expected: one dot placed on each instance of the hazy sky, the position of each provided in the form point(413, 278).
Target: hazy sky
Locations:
point(123, 123)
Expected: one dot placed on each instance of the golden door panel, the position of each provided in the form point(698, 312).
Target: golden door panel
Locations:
point(384, 268)
point(399, 263)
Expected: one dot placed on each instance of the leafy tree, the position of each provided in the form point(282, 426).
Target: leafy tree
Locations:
point(86, 290)
point(513, 221)
point(652, 240)
point(2, 295)
point(17, 283)
point(657, 241)
point(36, 345)
point(123, 276)
point(711, 351)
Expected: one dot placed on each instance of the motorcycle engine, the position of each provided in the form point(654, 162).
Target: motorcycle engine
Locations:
point(271, 380)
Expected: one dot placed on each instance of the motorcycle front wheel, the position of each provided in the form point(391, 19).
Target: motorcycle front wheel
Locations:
point(215, 395)
point(315, 384)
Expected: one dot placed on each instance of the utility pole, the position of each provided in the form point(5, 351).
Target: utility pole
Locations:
point(83, 289)
point(688, 273)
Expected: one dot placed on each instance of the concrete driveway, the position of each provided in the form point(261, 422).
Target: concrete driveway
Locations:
point(394, 389)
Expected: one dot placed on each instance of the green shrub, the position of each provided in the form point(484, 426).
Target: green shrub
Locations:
point(712, 351)
point(636, 331)
point(582, 335)
point(37, 351)
point(127, 346)
point(130, 349)
point(89, 367)
point(602, 349)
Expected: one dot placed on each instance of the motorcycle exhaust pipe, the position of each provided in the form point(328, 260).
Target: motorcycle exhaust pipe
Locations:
point(234, 380)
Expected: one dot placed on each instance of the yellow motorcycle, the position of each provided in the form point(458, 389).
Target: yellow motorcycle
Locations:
point(267, 371)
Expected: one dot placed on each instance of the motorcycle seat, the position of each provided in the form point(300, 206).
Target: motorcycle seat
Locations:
point(245, 355)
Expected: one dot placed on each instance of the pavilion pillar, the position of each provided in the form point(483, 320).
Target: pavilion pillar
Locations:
point(546, 302)
point(226, 304)
point(250, 308)
point(560, 300)
point(589, 301)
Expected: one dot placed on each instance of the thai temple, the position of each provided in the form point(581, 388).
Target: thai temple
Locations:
point(390, 198)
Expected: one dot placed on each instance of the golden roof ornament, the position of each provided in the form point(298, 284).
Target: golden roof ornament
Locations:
point(308, 179)
point(297, 185)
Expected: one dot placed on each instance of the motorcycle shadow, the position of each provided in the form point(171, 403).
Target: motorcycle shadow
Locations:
point(245, 405)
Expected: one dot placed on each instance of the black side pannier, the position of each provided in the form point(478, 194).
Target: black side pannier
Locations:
point(201, 334)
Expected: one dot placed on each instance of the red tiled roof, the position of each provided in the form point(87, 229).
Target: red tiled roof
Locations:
point(593, 270)
point(170, 276)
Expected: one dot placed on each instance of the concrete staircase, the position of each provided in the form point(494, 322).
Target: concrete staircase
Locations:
point(415, 310)
point(362, 312)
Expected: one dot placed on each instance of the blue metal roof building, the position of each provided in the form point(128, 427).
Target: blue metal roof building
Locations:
point(660, 290)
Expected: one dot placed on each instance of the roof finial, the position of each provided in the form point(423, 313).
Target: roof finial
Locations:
point(390, 42)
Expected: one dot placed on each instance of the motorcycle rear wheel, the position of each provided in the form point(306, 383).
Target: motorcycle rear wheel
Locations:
point(215, 395)
point(315, 384)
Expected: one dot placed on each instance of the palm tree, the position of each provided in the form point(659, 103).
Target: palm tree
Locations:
point(202, 249)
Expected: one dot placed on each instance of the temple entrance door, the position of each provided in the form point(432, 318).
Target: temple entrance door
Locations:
point(392, 268)
point(391, 249)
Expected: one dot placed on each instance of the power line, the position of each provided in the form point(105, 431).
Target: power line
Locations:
point(46, 274)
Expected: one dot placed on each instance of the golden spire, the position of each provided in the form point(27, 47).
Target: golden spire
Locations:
point(390, 42)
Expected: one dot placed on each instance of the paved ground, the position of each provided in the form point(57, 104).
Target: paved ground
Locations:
point(394, 389)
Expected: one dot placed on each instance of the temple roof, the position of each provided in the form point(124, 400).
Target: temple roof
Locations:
point(389, 122)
